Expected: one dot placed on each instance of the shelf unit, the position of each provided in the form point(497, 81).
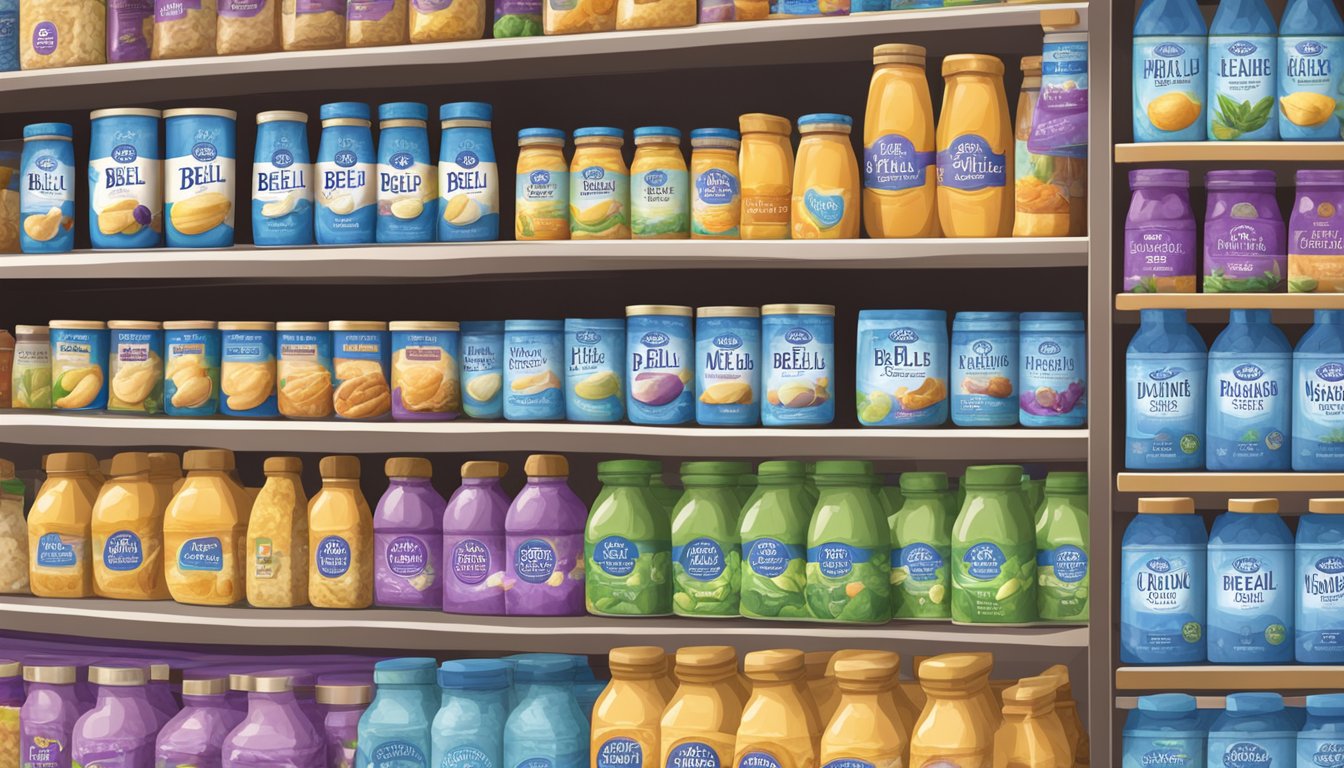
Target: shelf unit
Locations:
point(1229, 483)
point(1229, 677)
point(1132, 302)
point(1231, 152)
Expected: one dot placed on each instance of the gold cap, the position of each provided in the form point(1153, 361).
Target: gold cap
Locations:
point(778, 664)
point(98, 114)
point(247, 325)
point(666, 310)
point(346, 695)
point(727, 312)
point(1254, 506)
point(485, 469)
point(638, 659)
point(339, 467)
point(760, 122)
point(972, 62)
point(205, 686)
point(10, 668)
point(134, 325)
point(408, 466)
point(422, 325)
point(76, 325)
point(271, 684)
point(301, 325)
point(66, 462)
point(276, 465)
point(951, 667)
point(116, 676)
point(199, 112)
point(900, 53)
point(189, 325)
point(798, 309)
point(1326, 506)
point(357, 325)
point(130, 463)
point(1167, 505)
point(281, 115)
point(546, 465)
point(240, 682)
point(208, 459)
point(50, 674)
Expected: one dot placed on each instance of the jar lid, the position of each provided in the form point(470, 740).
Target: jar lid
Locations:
point(635, 467)
point(931, 482)
point(66, 462)
point(189, 325)
point(228, 114)
point(76, 325)
point(129, 463)
point(267, 683)
point(728, 312)
point(40, 130)
point(352, 110)
point(1159, 177)
point(301, 325)
point(357, 325)
point(1254, 506)
point(205, 686)
point(474, 674)
point(10, 668)
point(542, 668)
point(1239, 178)
point(534, 325)
point(782, 468)
point(543, 135)
point(994, 476)
point(706, 656)
point(422, 325)
point(1167, 505)
point(798, 309)
point(599, 132)
point(972, 62)
point(343, 695)
point(904, 315)
point(656, 132)
point(575, 324)
point(760, 122)
point(480, 469)
point(1326, 704)
point(466, 110)
point(900, 53)
point(116, 676)
point(1031, 65)
point(134, 325)
point(715, 137)
point(664, 310)
point(246, 325)
point(276, 465)
point(1256, 702)
point(339, 467)
point(408, 466)
point(1167, 702)
point(546, 465)
point(825, 121)
point(482, 326)
point(1325, 506)
point(403, 110)
point(951, 667)
point(214, 459)
point(282, 116)
point(99, 114)
point(637, 657)
point(779, 663)
point(1066, 482)
point(1320, 177)
point(49, 674)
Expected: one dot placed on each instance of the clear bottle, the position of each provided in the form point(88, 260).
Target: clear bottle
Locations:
point(469, 727)
point(773, 531)
point(541, 186)
point(765, 168)
point(899, 172)
point(1062, 553)
point(277, 538)
point(127, 527)
point(204, 532)
point(627, 545)
point(48, 716)
point(975, 149)
point(345, 703)
point(599, 186)
point(340, 539)
point(716, 203)
point(825, 202)
point(659, 186)
point(195, 736)
point(867, 727)
point(121, 727)
point(921, 548)
point(626, 718)
point(395, 727)
point(955, 726)
point(59, 529)
point(699, 726)
point(706, 552)
point(777, 728)
point(547, 726)
point(275, 729)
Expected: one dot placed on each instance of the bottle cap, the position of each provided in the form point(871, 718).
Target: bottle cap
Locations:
point(268, 683)
point(1326, 506)
point(478, 469)
point(116, 676)
point(1069, 483)
point(950, 667)
point(760, 122)
point(1254, 506)
point(474, 674)
point(827, 310)
point(130, 463)
point(466, 110)
point(66, 462)
point(972, 62)
point(352, 110)
point(165, 464)
point(408, 466)
point(546, 465)
point(49, 674)
point(774, 665)
point(728, 312)
point(205, 686)
point(209, 459)
point(339, 467)
point(343, 695)
point(403, 110)
point(1167, 505)
point(930, 482)
point(637, 659)
point(993, 476)
point(901, 53)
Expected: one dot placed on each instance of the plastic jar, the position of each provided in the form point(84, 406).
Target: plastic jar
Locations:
point(346, 209)
point(541, 186)
point(47, 190)
point(983, 370)
point(1053, 376)
point(199, 181)
point(468, 175)
point(1245, 241)
point(659, 374)
point(1160, 233)
point(361, 358)
point(1164, 729)
point(825, 180)
point(728, 366)
point(599, 186)
point(191, 368)
point(303, 370)
point(534, 373)
point(595, 351)
point(135, 366)
point(31, 376)
point(766, 167)
point(658, 186)
point(716, 205)
point(1315, 246)
point(282, 181)
point(125, 179)
point(247, 370)
point(425, 383)
point(344, 703)
point(483, 369)
point(407, 180)
point(902, 376)
point(78, 365)
point(798, 353)
point(1320, 583)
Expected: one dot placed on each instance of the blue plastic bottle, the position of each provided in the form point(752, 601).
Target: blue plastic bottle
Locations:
point(1165, 730)
point(468, 731)
point(1254, 730)
point(1250, 585)
point(547, 729)
point(1170, 72)
point(1243, 51)
point(1318, 395)
point(345, 175)
point(1320, 584)
point(1165, 371)
point(407, 195)
point(1250, 372)
point(1310, 61)
point(1162, 584)
point(468, 175)
point(394, 730)
point(1321, 740)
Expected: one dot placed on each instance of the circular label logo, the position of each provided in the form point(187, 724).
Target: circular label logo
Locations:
point(620, 753)
point(692, 754)
point(122, 552)
point(702, 559)
point(468, 159)
point(534, 561)
point(282, 158)
point(768, 557)
point(124, 153)
point(407, 556)
point(616, 555)
point(333, 557)
point(471, 561)
point(205, 152)
point(345, 158)
point(401, 160)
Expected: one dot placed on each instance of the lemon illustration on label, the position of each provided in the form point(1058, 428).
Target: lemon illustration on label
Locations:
point(1173, 111)
point(1307, 109)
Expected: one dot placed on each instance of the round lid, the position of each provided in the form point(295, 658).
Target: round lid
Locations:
point(343, 694)
point(1254, 703)
point(863, 669)
point(422, 325)
point(665, 310)
point(99, 114)
point(1030, 692)
point(227, 114)
point(116, 676)
point(844, 468)
point(546, 465)
point(66, 462)
point(300, 325)
point(268, 683)
point(780, 469)
point(466, 110)
point(1254, 506)
point(1167, 505)
point(282, 116)
point(39, 331)
point(215, 459)
point(542, 668)
point(276, 465)
point(1326, 704)
point(706, 656)
point(134, 325)
point(49, 674)
point(357, 325)
point(355, 110)
point(48, 129)
point(1320, 177)
point(972, 62)
point(657, 132)
point(403, 110)
point(715, 136)
point(1326, 506)
point(576, 324)
point(482, 326)
point(76, 325)
point(189, 325)
point(904, 315)
point(1159, 177)
point(924, 481)
point(1167, 702)
point(900, 53)
point(638, 658)
point(825, 121)
point(241, 682)
point(599, 132)
point(551, 135)
point(1031, 65)
point(636, 467)
point(130, 463)
point(724, 469)
point(727, 312)
point(160, 671)
point(777, 664)
point(205, 686)
point(798, 309)
point(10, 668)
point(339, 467)
point(534, 325)
point(950, 667)
point(415, 670)
point(247, 325)
point(474, 674)
point(1239, 178)
point(165, 464)
point(485, 469)
point(993, 476)
point(408, 466)
point(1066, 482)
point(816, 663)
point(760, 122)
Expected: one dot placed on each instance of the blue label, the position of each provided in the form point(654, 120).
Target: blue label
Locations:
point(892, 164)
point(345, 191)
point(770, 557)
point(1162, 604)
point(701, 558)
point(595, 357)
point(826, 210)
point(716, 187)
point(1320, 603)
point(200, 160)
point(1250, 604)
point(1164, 411)
point(848, 762)
point(920, 559)
point(902, 377)
point(54, 552)
point(984, 378)
point(191, 354)
point(1242, 87)
point(728, 370)
point(1249, 412)
point(1069, 562)
point(536, 762)
point(836, 560)
point(1246, 754)
point(397, 754)
point(984, 561)
point(692, 754)
point(122, 552)
point(1163, 752)
point(1318, 413)
point(466, 757)
point(620, 753)
point(482, 375)
point(758, 760)
point(534, 376)
point(332, 557)
point(470, 561)
point(204, 554)
point(798, 354)
point(534, 561)
point(616, 555)
point(969, 163)
point(1314, 752)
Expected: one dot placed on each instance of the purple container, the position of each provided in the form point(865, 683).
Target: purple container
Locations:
point(48, 716)
point(344, 701)
point(126, 22)
point(426, 383)
point(1160, 233)
point(473, 542)
point(1316, 233)
point(303, 684)
point(120, 729)
point(1245, 242)
point(275, 731)
point(408, 538)
point(195, 736)
point(544, 536)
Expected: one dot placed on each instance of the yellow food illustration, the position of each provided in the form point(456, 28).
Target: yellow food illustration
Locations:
point(202, 213)
point(461, 210)
point(1307, 109)
point(340, 205)
point(193, 391)
point(305, 390)
point(932, 390)
point(43, 227)
point(119, 218)
point(83, 386)
point(247, 385)
point(799, 394)
point(535, 383)
point(407, 208)
point(595, 214)
point(277, 544)
point(363, 396)
point(727, 393)
point(720, 218)
point(389, 29)
point(282, 207)
point(586, 16)
point(460, 20)
point(994, 386)
point(658, 14)
point(483, 388)
point(598, 386)
point(427, 386)
point(1173, 111)
point(134, 382)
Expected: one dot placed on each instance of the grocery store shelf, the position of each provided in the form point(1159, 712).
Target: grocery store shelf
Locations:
point(1231, 678)
point(34, 428)
point(1206, 702)
point(1198, 301)
point(706, 46)
point(1231, 152)
point(442, 260)
point(414, 630)
point(1186, 483)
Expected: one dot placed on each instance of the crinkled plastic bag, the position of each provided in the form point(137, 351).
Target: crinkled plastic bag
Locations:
point(247, 26)
point(439, 21)
point(654, 14)
point(130, 30)
point(568, 17)
point(62, 33)
point(517, 18)
point(9, 35)
point(375, 22)
point(312, 25)
point(184, 28)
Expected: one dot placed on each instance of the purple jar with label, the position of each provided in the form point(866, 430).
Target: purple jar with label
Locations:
point(473, 541)
point(1245, 241)
point(544, 537)
point(408, 538)
point(126, 39)
point(1316, 233)
point(48, 716)
point(344, 701)
point(195, 736)
point(1160, 237)
point(120, 729)
point(275, 731)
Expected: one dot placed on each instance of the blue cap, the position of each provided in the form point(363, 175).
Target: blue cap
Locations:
point(825, 117)
point(541, 133)
point(1326, 704)
point(466, 110)
point(47, 129)
point(347, 109)
point(998, 321)
point(543, 668)
point(482, 326)
point(611, 133)
point(715, 133)
point(403, 110)
point(1167, 702)
point(1259, 702)
point(904, 315)
point(408, 671)
point(474, 674)
point(534, 325)
point(651, 130)
point(575, 324)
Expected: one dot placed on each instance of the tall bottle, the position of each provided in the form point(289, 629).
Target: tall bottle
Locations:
point(706, 553)
point(468, 175)
point(127, 525)
point(955, 726)
point(195, 736)
point(975, 149)
point(547, 727)
point(848, 547)
point(340, 538)
point(395, 727)
point(1166, 371)
point(469, 726)
point(1251, 578)
point(1243, 51)
point(994, 550)
point(48, 715)
point(699, 726)
point(775, 730)
point(825, 202)
point(545, 543)
point(204, 532)
point(1063, 567)
point(59, 529)
point(1024, 738)
point(765, 167)
point(867, 728)
point(1318, 387)
point(774, 543)
point(1249, 402)
point(1171, 71)
point(473, 541)
point(626, 718)
point(408, 537)
point(899, 174)
point(121, 727)
point(1310, 63)
point(921, 548)
point(275, 729)
point(1320, 589)
point(627, 545)
point(277, 538)
point(1163, 584)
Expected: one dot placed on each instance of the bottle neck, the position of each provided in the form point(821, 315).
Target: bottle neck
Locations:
point(206, 701)
point(480, 482)
point(108, 693)
point(340, 484)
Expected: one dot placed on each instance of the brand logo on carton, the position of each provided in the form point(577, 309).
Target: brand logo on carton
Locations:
point(797, 336)
point(540, 177)
point(594, 173)
point(655, 339)
point(282, 158)
point(903, 336)
point(1050, 348)
point(727, 341)
point(204, 152)
point(1246, 564)
point(1242, 48)
point(468, 159)
point(345, 158)
point(1162, 374)
point(1309, 48)
point(1248, 372)
point(1329, 754)
point(655, 178)
point(1330, 564)
point(1245, 754)
point(1167, 756)
point(401, 160)
point(1159, 565)
point(124, 153)
point(46, 163)
point(587, 336)
point(982, 347)
point(1331, 372)
point(1169, 50)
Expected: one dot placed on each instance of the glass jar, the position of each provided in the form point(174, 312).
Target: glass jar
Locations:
point(658, 194)
point(599, 186)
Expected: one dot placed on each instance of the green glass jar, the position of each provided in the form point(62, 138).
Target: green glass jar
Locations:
point(921, 548)
point(994, 550)
point(848, 547)
point(706, 549)
point(627, 545)
point(1062, 559)
point(774, 543)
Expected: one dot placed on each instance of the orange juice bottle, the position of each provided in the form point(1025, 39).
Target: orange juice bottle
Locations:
point(775, 731)
point(821, 684)
point(900, 197)
point(599, 186)
point(867, 728)
point(975, 149)
point(204, 530)
point(128, 533)
point(1067, 710)
point(825, 180)
point(954, 728)
point(626, 717)
point(1025, 739)
point(701, 721)
point(716, 191)
point(59, 529)
point(765, 168)
point(340, 538)
point(541, 186)
point(906, 711)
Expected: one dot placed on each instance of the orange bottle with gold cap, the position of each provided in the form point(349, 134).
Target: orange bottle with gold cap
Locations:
point(776, 730)
point(955, 727)
point(626, 720)
point(867, 727)
point(900, 196)
point(699, 726)
point(975, 149)
point(765, 169)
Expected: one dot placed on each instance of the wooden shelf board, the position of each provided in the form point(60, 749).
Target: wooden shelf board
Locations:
point(1186, 483)
point(1130, 302)
point(1230, 152)
point(1214, 677)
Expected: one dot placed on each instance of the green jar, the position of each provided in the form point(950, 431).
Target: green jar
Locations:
point(627, 545)
point(1062, 559)
point(667, 495)
point(774, 543)
point(994, 550)
point(706, 549)
point(921, 548)
point(848, 547)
